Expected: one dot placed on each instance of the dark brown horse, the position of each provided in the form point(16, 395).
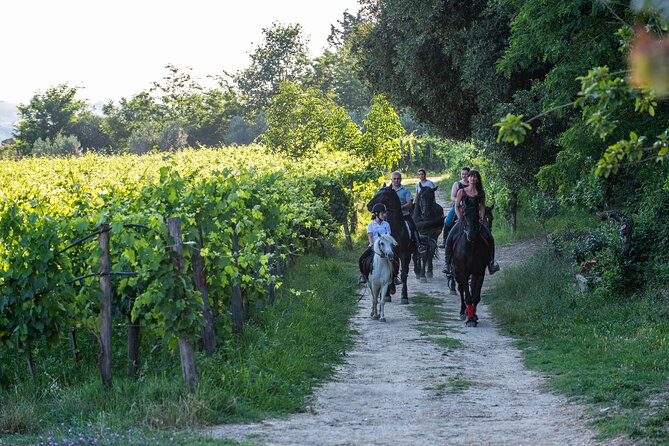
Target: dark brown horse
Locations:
point(429, 217)
point(399, 231)
point(470, 258)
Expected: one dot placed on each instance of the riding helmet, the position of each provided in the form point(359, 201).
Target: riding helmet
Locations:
point(379, 207)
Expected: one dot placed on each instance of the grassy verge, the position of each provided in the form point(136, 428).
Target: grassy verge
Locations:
point(612, 354)
point(271, 370)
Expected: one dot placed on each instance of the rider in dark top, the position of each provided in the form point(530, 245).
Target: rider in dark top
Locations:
point(470, 197)
point(450, 218)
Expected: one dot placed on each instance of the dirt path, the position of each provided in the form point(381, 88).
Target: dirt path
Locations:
point(394, 387)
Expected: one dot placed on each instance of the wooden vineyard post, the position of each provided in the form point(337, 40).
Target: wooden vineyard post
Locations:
point(236, 304)
point(73, 344)
point(186, 350)
point(105, 308)
point(271, 288)
point(208, 333)
point(134, 342)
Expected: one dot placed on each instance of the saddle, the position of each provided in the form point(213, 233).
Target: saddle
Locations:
point(460, 234)
point(367, 266)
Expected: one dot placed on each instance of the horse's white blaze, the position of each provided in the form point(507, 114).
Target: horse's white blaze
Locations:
point(382, 273)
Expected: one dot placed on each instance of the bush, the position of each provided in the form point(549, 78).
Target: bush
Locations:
point(145, 138)
point(59, 146)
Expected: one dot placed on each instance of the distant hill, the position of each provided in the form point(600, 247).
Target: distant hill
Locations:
point(8, 117)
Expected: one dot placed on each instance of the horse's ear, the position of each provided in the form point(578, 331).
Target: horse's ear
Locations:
point(420, 187)
point(384, 184)
point(435, 188)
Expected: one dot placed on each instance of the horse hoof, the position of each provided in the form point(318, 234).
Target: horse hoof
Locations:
point(423, 280)
point(383, 319)
point(471, 322)
point(462, 316)
point(454, 293)
point(375, 316)
point(405, 301)
point(429, 275)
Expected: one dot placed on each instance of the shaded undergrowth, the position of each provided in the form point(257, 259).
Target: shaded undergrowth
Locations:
point(611, 353)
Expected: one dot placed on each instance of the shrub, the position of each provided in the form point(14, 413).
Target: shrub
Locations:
point(59, 146)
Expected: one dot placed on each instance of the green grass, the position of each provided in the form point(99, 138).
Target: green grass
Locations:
point(430, 312)
point(288, 349)
point(612, 353)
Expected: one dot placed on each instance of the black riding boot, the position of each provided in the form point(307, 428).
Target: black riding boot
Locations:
point(448, 249)
point(493, 266)
point(419, 246)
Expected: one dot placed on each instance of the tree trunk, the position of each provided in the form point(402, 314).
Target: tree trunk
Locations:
point(353, 226)
point(105, 362)
point(513, 210)
point(186, 351)
point(208, 333)
point(327, 246)
point(347, 233)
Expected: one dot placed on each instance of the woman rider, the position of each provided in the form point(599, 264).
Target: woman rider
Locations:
point(450, 218)
point(471, 196)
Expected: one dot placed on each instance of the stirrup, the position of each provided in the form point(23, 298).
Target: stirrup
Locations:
point(493, 267)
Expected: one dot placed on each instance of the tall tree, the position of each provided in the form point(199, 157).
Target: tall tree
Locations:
point(46, 115)
point(283, 56)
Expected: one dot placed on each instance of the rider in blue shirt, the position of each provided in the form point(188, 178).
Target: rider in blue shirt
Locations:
point(406, 200)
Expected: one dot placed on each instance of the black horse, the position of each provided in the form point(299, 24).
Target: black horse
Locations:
point(487, 221)
point(470, 258)
point(399, 231)
point(428, 216)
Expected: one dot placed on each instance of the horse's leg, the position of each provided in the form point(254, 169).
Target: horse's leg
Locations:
point(416, 264)
point(471, 306)
point(462, 288)
point(423, 267)
point(375, 299)
point(406, 258)
point(432, 247)
point(477, 285)
point(384, 289)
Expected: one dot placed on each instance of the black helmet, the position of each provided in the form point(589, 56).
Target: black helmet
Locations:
point(379, 207)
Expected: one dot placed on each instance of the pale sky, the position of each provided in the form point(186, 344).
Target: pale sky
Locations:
point(117, 48)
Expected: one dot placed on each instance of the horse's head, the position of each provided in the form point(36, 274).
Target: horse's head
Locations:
point(470, 223)
point(383, 246)
point(387, 196)
point(487, 217)
point(426, 201)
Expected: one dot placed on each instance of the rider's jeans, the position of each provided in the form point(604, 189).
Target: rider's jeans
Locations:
point(450, 218)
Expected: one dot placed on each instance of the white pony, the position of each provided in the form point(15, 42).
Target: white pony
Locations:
point(382, 273)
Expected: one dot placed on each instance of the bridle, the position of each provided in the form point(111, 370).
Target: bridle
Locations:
point(382, 254)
